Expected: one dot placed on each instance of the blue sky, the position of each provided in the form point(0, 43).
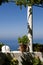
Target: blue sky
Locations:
point(13, 21)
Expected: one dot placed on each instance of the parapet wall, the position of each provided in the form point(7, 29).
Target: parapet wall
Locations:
point(18, 54)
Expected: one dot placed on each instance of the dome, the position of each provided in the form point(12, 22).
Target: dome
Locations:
point(5, 48)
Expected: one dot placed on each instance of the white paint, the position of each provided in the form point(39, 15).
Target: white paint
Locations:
point(29, 18)
point(16, 52)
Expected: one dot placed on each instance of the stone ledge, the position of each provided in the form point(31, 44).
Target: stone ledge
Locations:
point(18, 54)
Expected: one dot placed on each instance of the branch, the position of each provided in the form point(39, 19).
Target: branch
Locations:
point(38, 5)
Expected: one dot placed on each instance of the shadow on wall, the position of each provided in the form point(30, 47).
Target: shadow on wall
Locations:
point(30, 59)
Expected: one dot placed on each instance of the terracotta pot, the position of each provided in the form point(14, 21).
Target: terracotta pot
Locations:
point(22, 48)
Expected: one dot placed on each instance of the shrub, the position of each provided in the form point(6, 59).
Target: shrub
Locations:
point(23, 40)
point(38, 47)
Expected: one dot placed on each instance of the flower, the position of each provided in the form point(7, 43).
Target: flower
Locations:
point(14, 61)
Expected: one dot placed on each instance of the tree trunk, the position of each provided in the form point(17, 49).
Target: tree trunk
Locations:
point(29, 19)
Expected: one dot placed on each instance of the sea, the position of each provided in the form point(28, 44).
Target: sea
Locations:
point(14, 45)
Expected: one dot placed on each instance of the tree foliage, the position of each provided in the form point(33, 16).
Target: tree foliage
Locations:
point(3, 1)
point(38, 47)
point(24, 2)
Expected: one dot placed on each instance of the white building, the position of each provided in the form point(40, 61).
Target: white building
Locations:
point(5, 49)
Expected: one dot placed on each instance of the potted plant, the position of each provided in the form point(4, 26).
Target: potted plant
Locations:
point(23, 41)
